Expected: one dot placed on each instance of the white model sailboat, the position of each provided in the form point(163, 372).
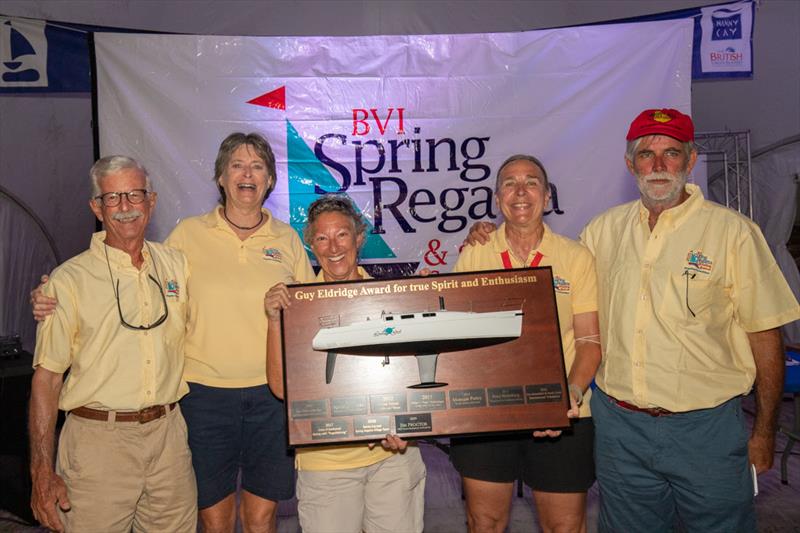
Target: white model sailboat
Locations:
point(424, 334)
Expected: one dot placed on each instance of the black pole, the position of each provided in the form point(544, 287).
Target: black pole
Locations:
point(98, 226)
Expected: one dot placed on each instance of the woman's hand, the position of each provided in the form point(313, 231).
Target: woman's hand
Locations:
point(392, 443)
point(480, 233)
point(575, 401)
point(275, 299)
point(42, 306)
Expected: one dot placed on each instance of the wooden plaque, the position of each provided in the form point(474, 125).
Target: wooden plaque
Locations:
point(430, 356)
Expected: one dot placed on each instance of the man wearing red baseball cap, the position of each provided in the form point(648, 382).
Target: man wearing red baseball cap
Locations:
point(690, 301)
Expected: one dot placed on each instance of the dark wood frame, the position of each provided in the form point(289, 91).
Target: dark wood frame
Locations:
point(518, 385)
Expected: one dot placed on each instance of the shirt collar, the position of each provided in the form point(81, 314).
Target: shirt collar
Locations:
point(116, 258)
point(675, 216)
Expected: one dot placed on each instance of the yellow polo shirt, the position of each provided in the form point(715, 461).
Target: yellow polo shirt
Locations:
point(227, 331)
point(574, 279)
point(676, 303)
point(343, 457)
point(113, 367)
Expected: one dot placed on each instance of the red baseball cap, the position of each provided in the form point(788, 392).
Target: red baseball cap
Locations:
point(669, 122)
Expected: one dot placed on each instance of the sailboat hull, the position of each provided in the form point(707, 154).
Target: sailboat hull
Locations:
point(421, 333)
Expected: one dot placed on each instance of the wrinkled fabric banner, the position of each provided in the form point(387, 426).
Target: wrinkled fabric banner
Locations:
point(726, 41)
point(412, 128)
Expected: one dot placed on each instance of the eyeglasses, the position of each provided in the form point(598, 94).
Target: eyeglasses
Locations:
point(160, 291)
point(688, 276)
point(113, 199)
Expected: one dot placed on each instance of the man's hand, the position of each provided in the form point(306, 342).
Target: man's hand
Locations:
point(761, 451)
point(42, 306)
point(48, 491)
point(768, 354)
point(275, 299)
point(479, 233)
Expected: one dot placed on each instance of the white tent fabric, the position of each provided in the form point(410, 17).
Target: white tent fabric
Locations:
point(774, 178)
point(25, 253)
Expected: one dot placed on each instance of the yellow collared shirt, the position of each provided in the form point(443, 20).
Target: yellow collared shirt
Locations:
point(113, 367)
point(343, 457)
point(676, 303)
point(574, 279)
point(227, 332)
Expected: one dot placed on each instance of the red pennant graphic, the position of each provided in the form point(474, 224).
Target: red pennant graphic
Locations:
point(275, 99)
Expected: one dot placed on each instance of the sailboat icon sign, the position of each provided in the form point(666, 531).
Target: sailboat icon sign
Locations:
point(23, 53)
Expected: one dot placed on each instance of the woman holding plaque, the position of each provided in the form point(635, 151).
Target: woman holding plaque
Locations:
point(558, 466)
point(346, 488)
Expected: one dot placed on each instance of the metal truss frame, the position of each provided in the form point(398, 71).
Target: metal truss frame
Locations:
point(728, 157)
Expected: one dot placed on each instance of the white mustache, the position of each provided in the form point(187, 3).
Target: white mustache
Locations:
point(133, 214)
point(661, 176)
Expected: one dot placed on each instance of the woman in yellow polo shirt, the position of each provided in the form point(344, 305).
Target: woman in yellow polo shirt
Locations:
point(347, 488)
point(559, 467)
point(236, 426)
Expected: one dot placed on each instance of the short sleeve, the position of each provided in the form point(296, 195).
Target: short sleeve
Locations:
point(302, 271)
point(56, 333)
point(586, 238)
point(761, 296)
point(175, 238)
point(584, 296)
point(465, 261)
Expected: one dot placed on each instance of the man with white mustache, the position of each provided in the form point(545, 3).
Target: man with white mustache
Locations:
point(123, 460)
point(690, 301)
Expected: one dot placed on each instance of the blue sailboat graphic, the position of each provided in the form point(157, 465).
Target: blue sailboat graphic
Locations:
point(20, 47)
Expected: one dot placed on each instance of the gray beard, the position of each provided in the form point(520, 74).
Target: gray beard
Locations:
point(679, 179)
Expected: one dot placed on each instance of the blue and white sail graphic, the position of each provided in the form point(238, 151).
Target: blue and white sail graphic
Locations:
point(306, 176)
point(23, 53)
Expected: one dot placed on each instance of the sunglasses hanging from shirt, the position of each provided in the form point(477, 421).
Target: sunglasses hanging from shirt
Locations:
point(160, 291)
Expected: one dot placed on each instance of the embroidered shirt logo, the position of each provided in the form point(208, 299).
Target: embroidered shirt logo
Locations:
point(561, 285)
point(697, 262)
point(272, 254)
point(173, 289)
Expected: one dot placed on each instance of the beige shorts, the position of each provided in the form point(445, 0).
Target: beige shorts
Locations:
point(387, 497)
point(124, 476)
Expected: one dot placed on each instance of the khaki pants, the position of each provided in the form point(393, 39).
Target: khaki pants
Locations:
point(387, 497)
point(124, 476)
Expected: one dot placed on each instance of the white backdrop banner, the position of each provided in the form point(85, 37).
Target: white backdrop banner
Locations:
point(412, 128)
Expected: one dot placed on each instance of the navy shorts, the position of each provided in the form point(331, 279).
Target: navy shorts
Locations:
point(561, 464)
point(238, 430)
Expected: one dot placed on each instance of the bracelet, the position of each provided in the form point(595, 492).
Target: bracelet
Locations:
point(589, 338)
point(574, 389)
